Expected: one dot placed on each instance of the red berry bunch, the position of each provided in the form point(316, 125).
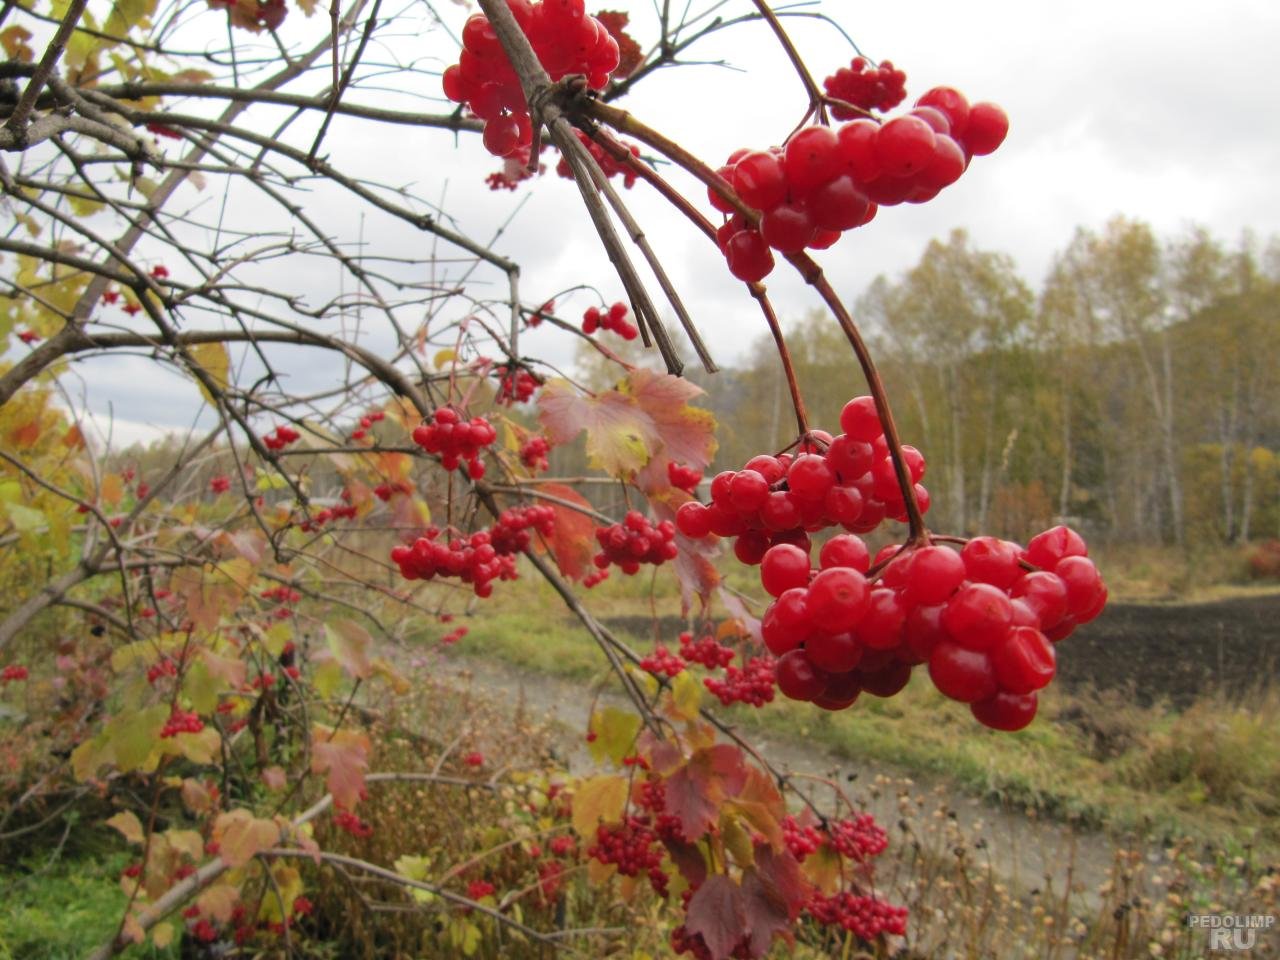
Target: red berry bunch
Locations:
point(595, 577)
point(181, 721)
point(533, 453)
point(352, 824)
point(479, 889)
point(164, 668)
point(615, 319)
point(633, 847)
point(826, 181)
point(220, 484)
point(706, 650)
point(453, 636)
point(282, 594)
point(515, 386)
point(481, 558)
point(29, 337)
point(546, 310)
point(281, 437)
point(385, 491)
point(682, 477)
point(865, 917)
point(565, 40)
point(635, 541)
point(984, 619)
point(783, 499)
point(663, 662)
point(13, 673)
point(455, 440)
point(751, 684)
point(608, 165)
point(801, 839)
point(871, 88)
point(325, 515)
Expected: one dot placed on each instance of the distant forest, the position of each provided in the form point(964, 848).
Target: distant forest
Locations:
point(1136, 393)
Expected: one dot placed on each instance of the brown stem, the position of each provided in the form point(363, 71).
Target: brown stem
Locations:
point(17, 121)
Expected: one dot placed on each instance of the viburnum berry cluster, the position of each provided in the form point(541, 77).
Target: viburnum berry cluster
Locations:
point(456, 440)
point(683, 477)
point(385, 491)
point(565, 39)
point(281, 437)
point(858, 838)
point(635, 541)
point(13, 673)
point(533, 453)
point(615, 319)
point(220, 484)
point(516, 386)
point(752, 683)
point(634, 848)
point(165, 667)
point(366, 422)
point(865, 87)
point(784, 498)
point(609, 166)
point(352, 824)
point(983, 618)
point(825, 181)
point(865, 917)
point(181, 721)
point(479, 559)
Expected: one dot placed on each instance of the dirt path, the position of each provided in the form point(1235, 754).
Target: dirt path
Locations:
point(1026, 853)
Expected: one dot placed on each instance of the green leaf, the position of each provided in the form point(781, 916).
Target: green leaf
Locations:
point(615, 734)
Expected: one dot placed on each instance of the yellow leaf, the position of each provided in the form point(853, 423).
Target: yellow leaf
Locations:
point(444, 356)
point(241, 836)
point(199, 747)
point(132, 931)
point(287, 888)
point(162, 935)
point(737, 840)
point(327, 678)
point(129, 825)
point(187, 842)
point(686, 695)
point(598, 800)
point(214, 359)
point(112, 489)
point(350, 644)
point(615, 734)
point(218, 902)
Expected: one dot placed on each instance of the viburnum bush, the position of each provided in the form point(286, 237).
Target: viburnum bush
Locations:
point(218, 648)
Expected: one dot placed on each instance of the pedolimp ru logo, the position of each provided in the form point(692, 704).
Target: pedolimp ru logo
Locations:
point(1233, 931)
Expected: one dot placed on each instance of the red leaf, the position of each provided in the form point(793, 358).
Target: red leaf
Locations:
point(696, 791)
point(631, 54)
point(689, 860)
point(718, 911)
point(695, 559)
point(781, 879)
point(572, 542)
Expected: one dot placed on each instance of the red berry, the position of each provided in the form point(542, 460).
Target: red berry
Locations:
point(988, 126)
point(798, 678)
point(838, 599)
point(811, 159)
point(978, 616)
point(905, 146)
point(1025, 661)
point(1005, 711)
point(960, 673)
point(784, 566)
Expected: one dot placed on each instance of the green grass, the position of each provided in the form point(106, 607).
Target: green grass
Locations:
point(63, 910)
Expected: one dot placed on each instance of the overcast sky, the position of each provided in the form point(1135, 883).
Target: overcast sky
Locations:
point(1159, 111)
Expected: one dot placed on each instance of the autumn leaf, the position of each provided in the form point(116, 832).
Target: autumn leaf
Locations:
point(219, 901)
point(273, 778)
point(596, 801)
point(620, 435)
point(344, 756)
point(761, 805)
point(129, 825)
point(688, 433)
point(350, 644)
point(697, 790)
point(241, 836)
point(718, 911)
point(572, 541)
point(615, 734)
point(215, 361)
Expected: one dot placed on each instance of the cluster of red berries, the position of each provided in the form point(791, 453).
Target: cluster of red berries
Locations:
point(479, 889)
point(481, 558)
point(565, 40)
point(385, 491)
point(165, 667)
point(535, 318)
point(662, 662)
point(453, 636)
point(281, 594)
point(181, 721)
point(826, 181)
point(13, 673)
point(615, 319)
point(352, 824)
point(533, 453)
point(366, 422)
point(29, 337)
point(608, 165)
point(633, 847)
point(857, 838)
point(705, 650)
point(321, 517)
point(782, 499)
point(281, 437)
point(220, 484)
point(456, 440)
point(865, 917)
point(635, 541)
point(594, 578)
point(984, 619)
point(865, 87)
point(683, 477)
point(515, 387)
point(751, 684)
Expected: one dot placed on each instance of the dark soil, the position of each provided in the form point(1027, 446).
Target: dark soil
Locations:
point(1173, 652)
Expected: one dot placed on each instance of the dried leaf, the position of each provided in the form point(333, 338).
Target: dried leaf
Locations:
point(241, 836)
point(350, 644)
point(596, 801)
point(344, 756)
point(129, 825)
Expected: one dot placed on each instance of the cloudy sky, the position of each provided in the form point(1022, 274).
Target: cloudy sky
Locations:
point(1159, 111)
